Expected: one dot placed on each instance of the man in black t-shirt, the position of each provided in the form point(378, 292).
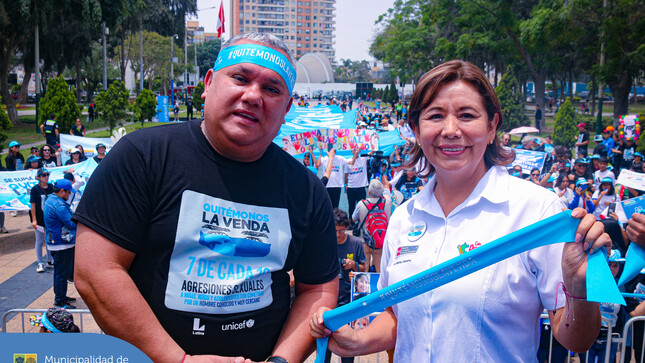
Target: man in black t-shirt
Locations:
point(37, 196)
point(183, 261)
point(582, 141)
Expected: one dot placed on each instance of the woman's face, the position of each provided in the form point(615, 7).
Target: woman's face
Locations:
point(76, 155)
point(564, 183)
point(47, 152)
point(454, 130)
point(306, 160)
point(362, 284)
point(535, 175)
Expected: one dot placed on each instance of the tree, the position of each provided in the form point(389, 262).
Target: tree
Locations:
point(511, 99)
point(207, 53)
point(394, 93)
point(60, 101)
point(5, 124)
point(385, 96)
point(198, 101)
point(564, 129)
point(145, 106)
point(112, 105)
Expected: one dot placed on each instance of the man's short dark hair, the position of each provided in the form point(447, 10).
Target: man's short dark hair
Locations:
point(341, 218)
point(52, 115)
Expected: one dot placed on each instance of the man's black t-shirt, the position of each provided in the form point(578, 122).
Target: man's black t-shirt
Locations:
point(582, 137)
point(37, 196)
point(214, 238)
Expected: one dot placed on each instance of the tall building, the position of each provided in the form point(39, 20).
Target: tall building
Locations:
point(305, 26)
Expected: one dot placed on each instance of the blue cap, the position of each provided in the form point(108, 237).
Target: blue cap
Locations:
point(14, 143)
point(616, 256)
point(638, 154)
point(607, 180)
point(595, 156)
point(32, 158)
point(582, 161)
point(65, 184)
point(581, 181)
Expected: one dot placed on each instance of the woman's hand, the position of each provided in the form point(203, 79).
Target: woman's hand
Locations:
point(344, 342)
point(579, 191)
point(590, 236)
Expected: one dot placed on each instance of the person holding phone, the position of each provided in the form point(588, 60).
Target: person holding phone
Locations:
point(581, 199)
point(603, 196)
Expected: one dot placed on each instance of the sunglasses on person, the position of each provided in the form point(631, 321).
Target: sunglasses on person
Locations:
point(535, 174)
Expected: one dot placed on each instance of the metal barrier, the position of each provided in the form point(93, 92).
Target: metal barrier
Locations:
point(628, 325)
point(78, 312)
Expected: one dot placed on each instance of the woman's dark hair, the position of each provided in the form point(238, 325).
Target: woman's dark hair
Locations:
point(83, 156)
point(51, 150)
point(341, 218)
point(561, 177)
point(611, 188)
point(535, 169)
point(427, 89)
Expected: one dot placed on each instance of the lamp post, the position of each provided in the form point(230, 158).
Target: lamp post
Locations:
point(172, 70)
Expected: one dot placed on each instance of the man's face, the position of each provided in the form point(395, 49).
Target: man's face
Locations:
point(245, 105)
point(65, 194)
point(603, 165)
point(548, 140)
point(506, 139)
point(580, 168)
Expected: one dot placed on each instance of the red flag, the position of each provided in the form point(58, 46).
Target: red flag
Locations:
point(220, 20)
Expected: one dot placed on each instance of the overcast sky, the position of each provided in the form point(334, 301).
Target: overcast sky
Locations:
point(354, 24)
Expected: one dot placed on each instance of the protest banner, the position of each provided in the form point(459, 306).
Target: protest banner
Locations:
point(631, 179)
point(68, 144)
point(528, 160)
point(15, 186)
point(323, 139)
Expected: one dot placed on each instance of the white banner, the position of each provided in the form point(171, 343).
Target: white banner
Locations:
point(15, 186)
point(631, 179)
point(69, 142)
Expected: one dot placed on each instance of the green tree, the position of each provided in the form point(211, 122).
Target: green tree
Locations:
point(564, 129)
point(385, 95)
point(60, 101)
point(145, 106)
point(198, 101)
point(394, 93)
point(5, 124)
point(112, 105)
point(511, 99)
point(207, 53)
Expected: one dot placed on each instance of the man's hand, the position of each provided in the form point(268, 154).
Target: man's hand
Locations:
point(349, 264)
point(34, 224)
point(636, 229)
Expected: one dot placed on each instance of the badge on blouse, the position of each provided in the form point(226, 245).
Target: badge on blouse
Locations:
point(416, 231)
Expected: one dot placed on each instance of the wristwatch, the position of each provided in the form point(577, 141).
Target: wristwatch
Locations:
point(276, 359)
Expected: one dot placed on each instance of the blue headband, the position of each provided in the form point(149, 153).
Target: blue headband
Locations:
point(47, 324)
point(261, 55)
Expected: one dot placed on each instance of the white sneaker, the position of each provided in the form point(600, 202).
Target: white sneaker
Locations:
point(40, 268)
point(50, 264)
point(4, 230)
point(13, 213)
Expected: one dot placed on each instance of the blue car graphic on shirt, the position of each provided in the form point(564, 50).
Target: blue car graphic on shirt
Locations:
point(233, 246)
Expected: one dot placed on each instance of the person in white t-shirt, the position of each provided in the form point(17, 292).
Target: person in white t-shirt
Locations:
point(603, 196)
point(602, 172)
point(356, 175)
point(336, 179)
point(493, 314)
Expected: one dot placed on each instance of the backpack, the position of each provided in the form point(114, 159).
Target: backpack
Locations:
point(375, 224)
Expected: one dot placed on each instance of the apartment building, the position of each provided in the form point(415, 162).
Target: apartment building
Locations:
point(305, 26)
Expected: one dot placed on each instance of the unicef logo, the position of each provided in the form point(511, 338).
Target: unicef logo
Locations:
point(250, 323)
